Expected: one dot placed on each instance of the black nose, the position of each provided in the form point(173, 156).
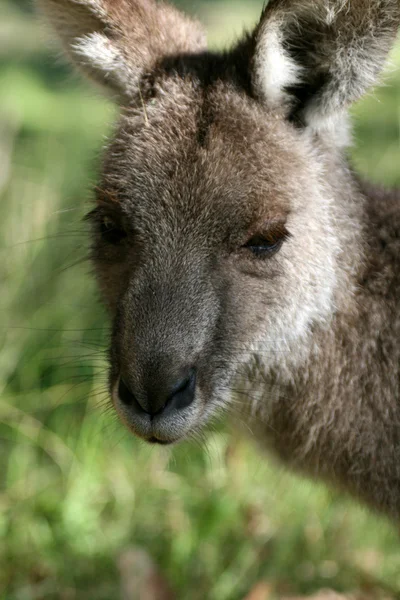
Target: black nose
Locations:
point(161, 399)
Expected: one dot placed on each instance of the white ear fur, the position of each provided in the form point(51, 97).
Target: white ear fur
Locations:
point(83, 26)
point(275, 70)
point(98, 51)
point(98, 56)
point(315, 57)
point(115, 41)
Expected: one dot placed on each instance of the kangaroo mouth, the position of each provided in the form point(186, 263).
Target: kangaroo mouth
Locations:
point(155, 441)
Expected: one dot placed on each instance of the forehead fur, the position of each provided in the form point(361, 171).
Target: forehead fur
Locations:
point(199, 149)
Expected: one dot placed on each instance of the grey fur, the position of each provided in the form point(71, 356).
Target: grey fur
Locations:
point(211, 150)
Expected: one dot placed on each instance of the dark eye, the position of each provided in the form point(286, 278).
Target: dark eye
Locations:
point(110, 231)
point(268, 244)
point(260, 246)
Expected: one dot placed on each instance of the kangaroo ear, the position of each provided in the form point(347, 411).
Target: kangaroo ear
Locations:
point(315, 57)
point(115, 41)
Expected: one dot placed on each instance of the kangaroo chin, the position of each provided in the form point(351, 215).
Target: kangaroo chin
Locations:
point(245, 267)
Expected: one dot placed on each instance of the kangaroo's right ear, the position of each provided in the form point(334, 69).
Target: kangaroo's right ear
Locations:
point(115, 41)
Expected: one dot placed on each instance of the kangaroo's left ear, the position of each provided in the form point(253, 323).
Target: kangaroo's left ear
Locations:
point(315, 57)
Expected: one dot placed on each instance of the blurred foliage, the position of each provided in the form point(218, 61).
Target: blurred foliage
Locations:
point(75, 489)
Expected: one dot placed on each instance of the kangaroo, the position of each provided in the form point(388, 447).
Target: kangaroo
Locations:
point(246, 268)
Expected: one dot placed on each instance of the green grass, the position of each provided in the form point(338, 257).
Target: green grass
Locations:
point(75, 489)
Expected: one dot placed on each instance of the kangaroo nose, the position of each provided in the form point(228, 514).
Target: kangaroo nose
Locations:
point(161, 399)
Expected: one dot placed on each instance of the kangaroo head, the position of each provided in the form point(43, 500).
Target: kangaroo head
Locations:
point(215, 233)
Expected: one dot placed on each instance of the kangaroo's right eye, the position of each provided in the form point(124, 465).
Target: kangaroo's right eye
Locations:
point(111, 232)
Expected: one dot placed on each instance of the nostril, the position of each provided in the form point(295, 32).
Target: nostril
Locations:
point(161, 400)
point(183, 384)
point(128, 398)
point(125, 394)
point(183, 392)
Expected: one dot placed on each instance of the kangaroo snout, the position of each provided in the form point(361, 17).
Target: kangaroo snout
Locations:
point(160, 410)
point(159, 357)
point(164, 394)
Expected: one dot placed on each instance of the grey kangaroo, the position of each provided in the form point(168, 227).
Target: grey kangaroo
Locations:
point(244, 265)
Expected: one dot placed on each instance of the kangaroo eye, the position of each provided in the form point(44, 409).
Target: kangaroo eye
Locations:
point(260, 246)
point(110, 231)
point(269, 243)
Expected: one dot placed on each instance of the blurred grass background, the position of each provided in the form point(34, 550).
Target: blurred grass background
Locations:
point(75, 489)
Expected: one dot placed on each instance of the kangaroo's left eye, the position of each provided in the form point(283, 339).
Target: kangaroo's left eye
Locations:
point(260, 246)
point(269, 243)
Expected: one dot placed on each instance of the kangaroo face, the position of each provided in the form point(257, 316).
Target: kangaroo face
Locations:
point(202, 251)
point(215, 235)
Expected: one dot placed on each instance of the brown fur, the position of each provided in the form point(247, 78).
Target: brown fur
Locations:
point(212, 152)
